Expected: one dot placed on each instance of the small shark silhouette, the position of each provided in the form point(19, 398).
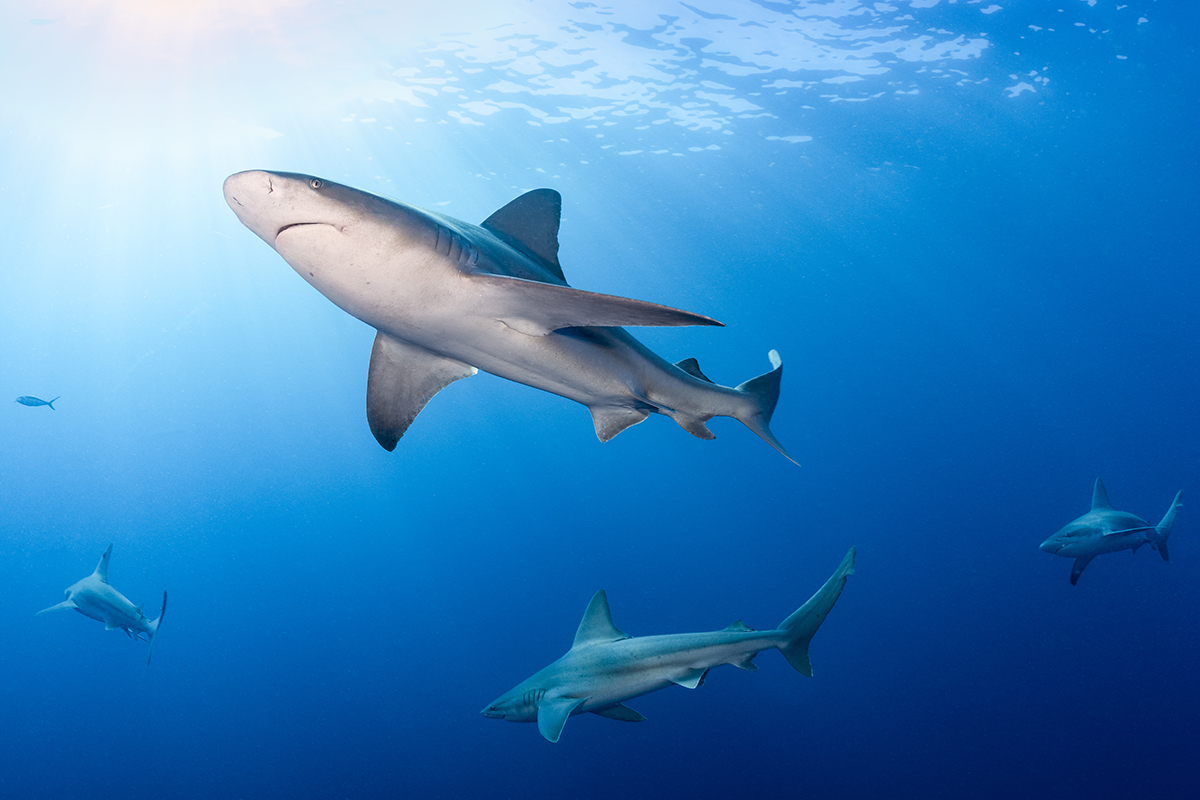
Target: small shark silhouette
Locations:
point(36, 401)
point(606, 667)
point(448, 298)
point(94, 598)
point(1106, 530)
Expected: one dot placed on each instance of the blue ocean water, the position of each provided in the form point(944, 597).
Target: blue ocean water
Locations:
point(968, 228)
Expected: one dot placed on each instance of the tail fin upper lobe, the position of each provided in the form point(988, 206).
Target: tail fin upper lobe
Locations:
point(156, 625)
point(765, 390)
point(803, 623)
point(1164, 527)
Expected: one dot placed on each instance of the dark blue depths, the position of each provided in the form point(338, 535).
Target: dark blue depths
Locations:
point(980, 310)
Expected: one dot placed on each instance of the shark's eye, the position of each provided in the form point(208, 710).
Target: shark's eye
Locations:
point(315, 183)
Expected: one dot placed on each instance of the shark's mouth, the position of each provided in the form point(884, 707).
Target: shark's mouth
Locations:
point(289, 226)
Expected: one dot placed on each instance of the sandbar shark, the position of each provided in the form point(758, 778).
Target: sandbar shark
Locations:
point(605, 667)
point(448, 298)
point(1103, 529)
point(94, 598)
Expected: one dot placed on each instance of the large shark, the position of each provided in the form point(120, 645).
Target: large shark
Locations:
point(1106, 530)
point(448, 298)
point(94, 598)
point(606, 667)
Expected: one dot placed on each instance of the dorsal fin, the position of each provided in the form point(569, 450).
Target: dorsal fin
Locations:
point(597, 625)
point(102, 568)
point(530, 224)
point(1099, 497)
point(740, 627)
point(692, 367)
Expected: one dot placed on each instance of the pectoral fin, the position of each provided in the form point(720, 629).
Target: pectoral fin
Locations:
point(1078, 567)
point(620, 712)
point(401, 380)
point(63, 606)
point(538, 308)
point(552, 715)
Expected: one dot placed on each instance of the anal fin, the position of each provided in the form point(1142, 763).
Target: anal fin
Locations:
point(402, 378)
point(694, 425)
point(747, 663)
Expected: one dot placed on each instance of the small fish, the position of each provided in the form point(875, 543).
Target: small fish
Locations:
point(36, 401)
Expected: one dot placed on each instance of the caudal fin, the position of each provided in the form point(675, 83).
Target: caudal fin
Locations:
point(52, 402)
point(765, 390)
point(803, 623)
point(1164, 527)
point(155, 625)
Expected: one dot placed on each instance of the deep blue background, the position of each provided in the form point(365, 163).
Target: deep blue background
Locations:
point(982, 303)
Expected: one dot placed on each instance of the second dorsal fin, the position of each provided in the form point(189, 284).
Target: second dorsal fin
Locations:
point(692, 367)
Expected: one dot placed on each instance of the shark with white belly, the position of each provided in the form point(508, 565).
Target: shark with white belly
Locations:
point(1103, 529)
point(94, 598)
point(606, 667)
point(448, 298)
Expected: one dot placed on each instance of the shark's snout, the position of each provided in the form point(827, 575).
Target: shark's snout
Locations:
point(1051, 546)
point(491, 712)
point(241, 187)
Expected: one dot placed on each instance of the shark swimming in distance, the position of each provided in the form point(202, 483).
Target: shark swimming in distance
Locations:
point(37, 401)
point(94, 598)
point(605, 667)
point(448, 298)
point(1103, 529)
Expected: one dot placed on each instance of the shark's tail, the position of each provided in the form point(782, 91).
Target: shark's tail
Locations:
point(803, 623)
point(52, 402)
point(1164, 527)
point(155, 625)
point(765, 391)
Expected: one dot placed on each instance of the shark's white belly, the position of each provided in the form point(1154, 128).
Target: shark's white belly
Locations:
point(431, 302)
point(592, 366)
point(1098, 544)
point(613, 673)
point(105, 604)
